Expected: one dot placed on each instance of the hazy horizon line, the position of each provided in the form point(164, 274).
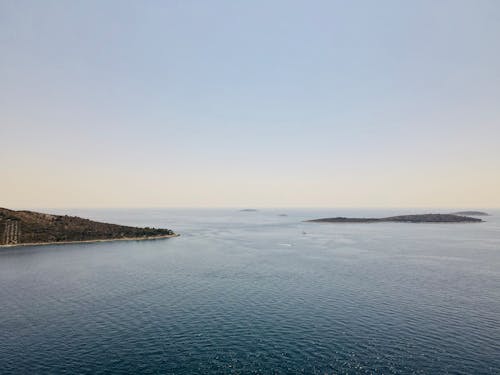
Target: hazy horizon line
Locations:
point(251, 207)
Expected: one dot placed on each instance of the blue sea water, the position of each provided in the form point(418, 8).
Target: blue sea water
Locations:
point(255, 292)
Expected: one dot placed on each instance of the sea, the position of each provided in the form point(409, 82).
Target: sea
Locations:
point(256, 292)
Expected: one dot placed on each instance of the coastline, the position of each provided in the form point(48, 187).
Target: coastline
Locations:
point(91, 241)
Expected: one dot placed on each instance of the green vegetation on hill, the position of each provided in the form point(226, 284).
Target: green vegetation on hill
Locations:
point(19, 227)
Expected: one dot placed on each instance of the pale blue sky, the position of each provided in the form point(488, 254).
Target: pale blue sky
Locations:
point(255, 103)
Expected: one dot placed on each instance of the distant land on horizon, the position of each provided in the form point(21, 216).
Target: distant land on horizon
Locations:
point(35, 228)
point(424, 218)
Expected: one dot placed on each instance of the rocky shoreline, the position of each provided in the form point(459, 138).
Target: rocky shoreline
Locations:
point(91, 241)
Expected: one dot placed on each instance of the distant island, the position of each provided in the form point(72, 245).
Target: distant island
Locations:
point(35, 228)
point(425, 218)
point(471, 213)
point(248, 210)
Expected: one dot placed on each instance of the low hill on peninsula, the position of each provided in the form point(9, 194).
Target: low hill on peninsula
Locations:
point(28, 227)
point(425, 218)
point(471, 213)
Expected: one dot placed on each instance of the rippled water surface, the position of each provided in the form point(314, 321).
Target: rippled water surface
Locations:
point(255, 292)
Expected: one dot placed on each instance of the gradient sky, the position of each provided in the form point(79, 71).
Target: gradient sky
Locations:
point(249, 103)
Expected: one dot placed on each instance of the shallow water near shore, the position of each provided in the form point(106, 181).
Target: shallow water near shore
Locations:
point(256, 292)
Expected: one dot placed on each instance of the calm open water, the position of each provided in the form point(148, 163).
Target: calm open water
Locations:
point(249, 292)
